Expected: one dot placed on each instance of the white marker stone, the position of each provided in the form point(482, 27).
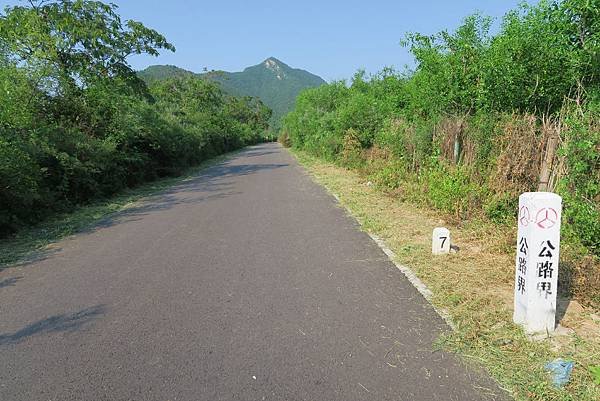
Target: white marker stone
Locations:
point(440, 245)
point(536, 273)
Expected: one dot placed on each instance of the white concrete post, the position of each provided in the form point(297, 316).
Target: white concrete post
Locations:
point(440, 244)
point(536, 273)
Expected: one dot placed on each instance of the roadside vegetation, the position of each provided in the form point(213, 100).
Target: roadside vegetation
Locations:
point(481, 119)
point(77, 124)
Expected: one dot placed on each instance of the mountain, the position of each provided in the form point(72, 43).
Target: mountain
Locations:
point(274, 82)
point(159, 72)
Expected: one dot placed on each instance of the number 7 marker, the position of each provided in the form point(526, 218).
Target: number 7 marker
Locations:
point(440, 244)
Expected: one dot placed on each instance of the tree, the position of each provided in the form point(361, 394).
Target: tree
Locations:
point(70, 44)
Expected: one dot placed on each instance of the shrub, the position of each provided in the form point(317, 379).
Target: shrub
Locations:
point(284, 139)
point(350, 155)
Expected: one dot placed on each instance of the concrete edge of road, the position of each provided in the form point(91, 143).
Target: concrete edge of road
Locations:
point(414, 280)
point(407, 271)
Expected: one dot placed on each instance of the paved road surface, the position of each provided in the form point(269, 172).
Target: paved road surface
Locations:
point(245, 283)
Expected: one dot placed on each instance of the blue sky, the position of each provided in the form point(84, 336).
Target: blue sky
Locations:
point(329, 38)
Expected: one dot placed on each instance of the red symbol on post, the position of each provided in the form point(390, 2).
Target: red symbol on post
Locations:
point(524, 216)
point(546, 218)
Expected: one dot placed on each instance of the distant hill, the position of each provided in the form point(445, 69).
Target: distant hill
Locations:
point(159, 72)
point(274, 82)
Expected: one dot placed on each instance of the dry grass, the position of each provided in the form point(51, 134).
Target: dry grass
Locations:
point(475, 287)
point(522, 150)
point(446, 133)
point(520, 155)
point(351, 148)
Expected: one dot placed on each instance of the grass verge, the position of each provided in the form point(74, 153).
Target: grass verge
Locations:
point(24, 244)
point(475, 287)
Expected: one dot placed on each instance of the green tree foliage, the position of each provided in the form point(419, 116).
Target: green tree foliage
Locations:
point(449, 74)
point(74, 43)
point(77, 123)
point(457, 131)
point(160, 72)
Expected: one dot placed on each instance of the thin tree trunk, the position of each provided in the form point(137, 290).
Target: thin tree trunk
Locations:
point(546, 169)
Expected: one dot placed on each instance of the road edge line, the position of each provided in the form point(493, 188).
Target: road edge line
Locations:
point(414, 280)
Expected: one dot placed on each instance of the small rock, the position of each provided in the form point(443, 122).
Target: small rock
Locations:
point(574, 307)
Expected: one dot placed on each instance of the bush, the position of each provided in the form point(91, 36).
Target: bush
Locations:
point(351, 154)
point(580, 186)
point(19, 180)
point(390, 175)
point(284, 139)
point(450, 190)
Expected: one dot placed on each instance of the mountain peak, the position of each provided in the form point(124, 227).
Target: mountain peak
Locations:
point(276, 67)
point(273, 60)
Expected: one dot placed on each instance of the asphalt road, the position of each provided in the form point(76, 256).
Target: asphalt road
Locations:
point(246, 282)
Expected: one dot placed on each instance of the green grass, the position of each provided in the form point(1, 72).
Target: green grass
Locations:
point(26, 243)
point(595, 370)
